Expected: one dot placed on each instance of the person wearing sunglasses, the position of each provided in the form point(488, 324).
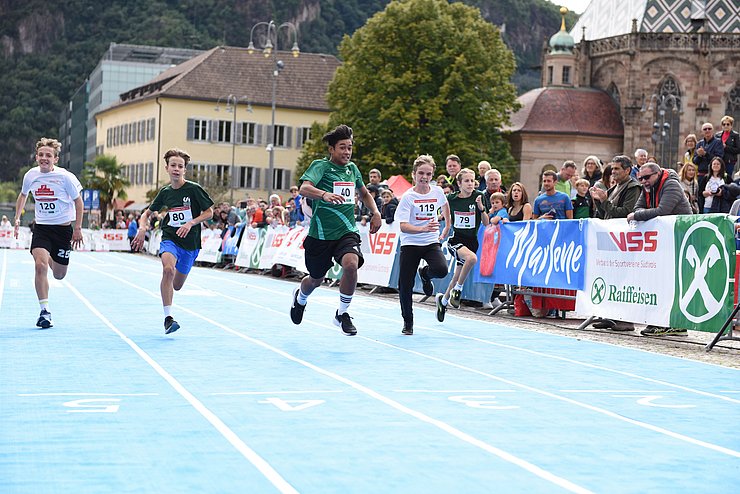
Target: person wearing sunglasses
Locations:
point(662, 195)
point(730, 142)
point(707, 149)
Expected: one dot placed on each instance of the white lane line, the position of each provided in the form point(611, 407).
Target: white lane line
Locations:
point(504, 455)
point(265, 468)
point(454, 390)
point(609, 413)
point(238, 393)
point(88, 394)
point(603, 411)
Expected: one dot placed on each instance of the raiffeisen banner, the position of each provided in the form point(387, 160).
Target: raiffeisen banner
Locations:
point(669, 271)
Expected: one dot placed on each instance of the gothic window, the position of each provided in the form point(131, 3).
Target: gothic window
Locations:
point(613, 91)
point(666, 126)
point(733, 105)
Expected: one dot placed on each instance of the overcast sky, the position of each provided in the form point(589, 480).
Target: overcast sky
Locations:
point(577, 6)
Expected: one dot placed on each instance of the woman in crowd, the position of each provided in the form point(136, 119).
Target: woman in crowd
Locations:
point(715, 181)
point(690, 185)
point(517, 203)
point(591, 170)
point(690, 144)
point(731, 143)
point(388, 206)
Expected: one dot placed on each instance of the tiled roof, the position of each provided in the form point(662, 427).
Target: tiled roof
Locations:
point(583, 111)
point(217, 73)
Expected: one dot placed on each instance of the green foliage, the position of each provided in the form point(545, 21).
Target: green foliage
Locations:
point(9, 191)
point(313, 149)
point(424, 77)
point(104, 174)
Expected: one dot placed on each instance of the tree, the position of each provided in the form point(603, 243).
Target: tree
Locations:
point(425, 77)
point(104, 174)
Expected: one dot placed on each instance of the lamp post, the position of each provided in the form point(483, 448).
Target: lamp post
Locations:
point(270, 48)
point(662, 128)
point(232, 102)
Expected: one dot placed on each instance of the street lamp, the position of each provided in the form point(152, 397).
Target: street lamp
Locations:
point(270, 48)
point(662, 128)
point(232, 102)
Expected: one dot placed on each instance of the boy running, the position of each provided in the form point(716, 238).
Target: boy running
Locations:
point(467, 211)
point(187, 206)
point(333, 235)
point(56, 193)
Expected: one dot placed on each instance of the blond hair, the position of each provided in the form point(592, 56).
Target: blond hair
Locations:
point(49, 142)
point(465, 171)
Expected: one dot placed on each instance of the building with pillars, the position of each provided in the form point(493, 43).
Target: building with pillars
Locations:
point(667, 66)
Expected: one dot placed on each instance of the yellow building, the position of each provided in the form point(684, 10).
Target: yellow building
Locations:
point(191, 106)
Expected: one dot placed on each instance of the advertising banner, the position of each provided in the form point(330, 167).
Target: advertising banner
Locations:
point(533, 253)
point(379, 252)
point(250, 248)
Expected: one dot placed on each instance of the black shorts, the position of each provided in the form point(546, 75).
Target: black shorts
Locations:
point(56, 239)
point(454, 244)
point(321, 254)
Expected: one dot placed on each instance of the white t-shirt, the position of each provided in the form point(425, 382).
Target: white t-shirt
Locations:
point(54, 194)
point(713, 184)
point(418, 209)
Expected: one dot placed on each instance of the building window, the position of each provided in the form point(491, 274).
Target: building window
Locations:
point(733, 105)
point(140, 174)
point(224, 131)
point(549, 75)
point(248, 177)
point(109, 138)
point(141, 130)
point(150, 173)
point(281, 178)
point(124, 135)
point(667, 111)
point(303, 134)
point(150, 129)
point(247, 133)
point(132, 133)
point(566, 75)
point(198, 129)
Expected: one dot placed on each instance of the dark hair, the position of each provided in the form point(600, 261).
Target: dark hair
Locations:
point(453, 157)
point(340, 133)
point(176, 152)
point(623, 161)
point(550, 173)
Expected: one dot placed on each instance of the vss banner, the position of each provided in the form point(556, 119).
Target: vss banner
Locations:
point(705, 261)
point(535, 253)
point(631, 271)
point(379, 252)
point(290, 248)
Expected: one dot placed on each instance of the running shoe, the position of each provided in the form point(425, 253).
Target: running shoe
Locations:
point(662, 331)
point(455, 298)
point(344, 321)
point(426, 282)
point(408, 329)
point(441, 309)
point(170, 325)
point(296, 310)
point(44, 321)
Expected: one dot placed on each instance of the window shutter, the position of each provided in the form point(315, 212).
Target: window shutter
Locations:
point(152, 129)
point(257, 183)
point(288, 136)
point(298, 138)
point(239, 132)
point(270, 135)
point(191, 129)
point(258, 134)
point(286, 179)
point(213, 130)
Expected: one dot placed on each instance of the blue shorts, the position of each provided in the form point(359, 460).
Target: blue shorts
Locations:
point(185, 258)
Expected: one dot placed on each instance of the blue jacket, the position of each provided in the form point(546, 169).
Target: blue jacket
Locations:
point(713, 148)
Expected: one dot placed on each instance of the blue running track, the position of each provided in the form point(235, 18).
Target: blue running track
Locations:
point(240, 400)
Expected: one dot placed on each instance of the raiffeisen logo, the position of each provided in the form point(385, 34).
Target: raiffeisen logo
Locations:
point(625, 294)
point(703, 271)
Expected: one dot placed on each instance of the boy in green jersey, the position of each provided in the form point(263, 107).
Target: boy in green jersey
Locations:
point(467, 211)
point(333, 234)
point(187, 206)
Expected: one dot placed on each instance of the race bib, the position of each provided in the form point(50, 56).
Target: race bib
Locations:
point(464, 220)
point(346, 190)
point(425, 209)
point(179, 216)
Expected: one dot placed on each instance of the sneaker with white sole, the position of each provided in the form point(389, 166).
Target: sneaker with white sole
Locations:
point(296, 310)
point(344, 321)
point(44, 321)
point(455, 296)
point(170, 325)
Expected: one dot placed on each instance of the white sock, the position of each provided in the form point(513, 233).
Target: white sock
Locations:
point(167, 310)
point(302, 297)
point(445, 300)
point(44, 304)
point(458, 286)
point(344, 301)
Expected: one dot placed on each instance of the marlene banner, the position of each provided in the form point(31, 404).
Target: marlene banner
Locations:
point(669, 271)
point(533, 253)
